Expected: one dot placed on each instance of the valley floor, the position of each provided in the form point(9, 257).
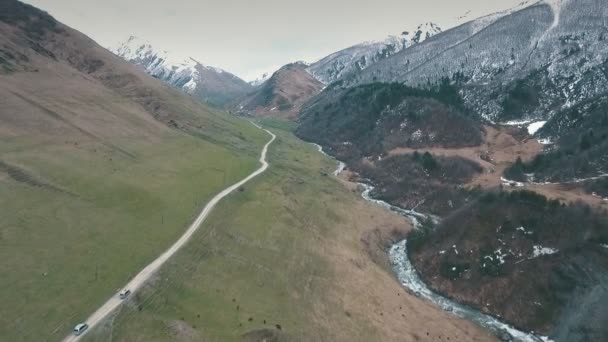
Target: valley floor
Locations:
point(295, 255)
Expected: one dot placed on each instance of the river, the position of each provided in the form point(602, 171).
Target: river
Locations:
point(408, 277)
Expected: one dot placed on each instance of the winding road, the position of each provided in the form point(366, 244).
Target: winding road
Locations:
point(145, 274)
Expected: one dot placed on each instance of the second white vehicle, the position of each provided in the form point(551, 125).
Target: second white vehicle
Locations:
point(124, 293)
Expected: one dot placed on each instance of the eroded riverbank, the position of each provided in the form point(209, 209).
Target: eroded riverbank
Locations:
point(408, 277)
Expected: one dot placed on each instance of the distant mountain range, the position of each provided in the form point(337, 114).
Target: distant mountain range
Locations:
point(543, 61)
point(282, 93)
point(221, 88)
point(529, 62)
point(210, 84)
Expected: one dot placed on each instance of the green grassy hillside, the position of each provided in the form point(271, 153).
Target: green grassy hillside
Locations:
point(79, 221)
point(288, 258)
point(102, 167)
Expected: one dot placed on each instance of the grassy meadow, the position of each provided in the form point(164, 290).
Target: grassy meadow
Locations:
point(287, 258)
point(78, 217)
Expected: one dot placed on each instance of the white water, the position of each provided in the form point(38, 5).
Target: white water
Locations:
point(413, 215)
point(407, 276)
point(341, 165)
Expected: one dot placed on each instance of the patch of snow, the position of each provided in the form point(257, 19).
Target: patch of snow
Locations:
point(523, 230)
point(258, 81)
point(190, 86)
point(540, 250)
point(214, 69)
point(517, 122)
point(508, 182)
point(604, 245)
point(500, 256)
point(417, 135)
point(535, 126)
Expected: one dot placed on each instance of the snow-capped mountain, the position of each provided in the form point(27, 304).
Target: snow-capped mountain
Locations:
point(529, 62)
point(213, 85)
point(543, 64)
point(258, 81)
point(361, 56)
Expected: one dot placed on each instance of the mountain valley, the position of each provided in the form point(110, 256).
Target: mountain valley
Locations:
point(475, 155)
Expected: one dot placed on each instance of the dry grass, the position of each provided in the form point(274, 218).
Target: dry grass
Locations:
point(501, 149)
point(498, 151)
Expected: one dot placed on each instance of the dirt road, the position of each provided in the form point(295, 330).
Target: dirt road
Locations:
point(145, 274)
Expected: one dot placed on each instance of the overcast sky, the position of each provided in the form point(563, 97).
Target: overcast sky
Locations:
point(249, 37)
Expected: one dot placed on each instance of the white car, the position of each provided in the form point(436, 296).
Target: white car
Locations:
point(80, 328)
point(124, 293)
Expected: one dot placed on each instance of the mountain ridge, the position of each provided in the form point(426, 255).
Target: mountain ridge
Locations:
point(484, 66)
point(282, 94)
point(360, 56)
point(213, 85)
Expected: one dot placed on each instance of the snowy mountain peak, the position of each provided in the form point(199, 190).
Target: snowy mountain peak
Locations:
point(361, 56)
point(140, 51)
point(258, 81)
point(421, 33)
point(213, 85)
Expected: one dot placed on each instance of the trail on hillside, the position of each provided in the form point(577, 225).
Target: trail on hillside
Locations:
point(145, 274)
